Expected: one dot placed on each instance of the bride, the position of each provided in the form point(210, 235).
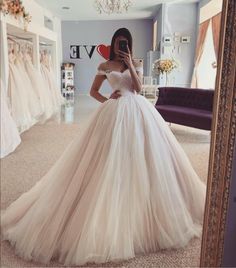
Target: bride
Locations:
point(123, 187)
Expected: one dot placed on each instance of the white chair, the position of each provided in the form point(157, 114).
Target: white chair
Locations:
point(147, 80)
point(150, 88)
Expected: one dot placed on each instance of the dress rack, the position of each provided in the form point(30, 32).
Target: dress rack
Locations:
point(36, 35)
point(44, 44)
point(20, 38)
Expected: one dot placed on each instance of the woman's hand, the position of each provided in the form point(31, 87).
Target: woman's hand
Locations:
point(136, 77)
point(115, 95)
point(126, 57)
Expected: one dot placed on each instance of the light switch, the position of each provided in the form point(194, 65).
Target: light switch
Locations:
point(185, 39)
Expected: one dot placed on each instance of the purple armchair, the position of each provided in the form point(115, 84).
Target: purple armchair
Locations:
point(186, 106)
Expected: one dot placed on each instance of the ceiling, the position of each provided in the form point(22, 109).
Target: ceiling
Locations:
point(84, 9)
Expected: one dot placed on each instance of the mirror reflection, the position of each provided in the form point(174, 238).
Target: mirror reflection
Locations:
point(107, 115)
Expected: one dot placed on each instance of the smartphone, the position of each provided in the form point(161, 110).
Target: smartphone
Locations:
point(123, 45)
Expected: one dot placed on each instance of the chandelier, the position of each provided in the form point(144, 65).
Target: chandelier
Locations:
point(112, 6)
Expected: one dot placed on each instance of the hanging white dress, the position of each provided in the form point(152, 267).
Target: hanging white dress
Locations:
point(18, 98)
point(32, 97)
point(124, 186)
point(10, 137)
point(60, 98)
point(56, 96)
point(42, 90)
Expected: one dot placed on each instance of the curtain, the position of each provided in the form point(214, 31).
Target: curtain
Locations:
point(216, 32)
point(199, 49)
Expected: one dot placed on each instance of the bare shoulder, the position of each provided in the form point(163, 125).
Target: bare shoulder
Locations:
point(138, 63)
point(103, 66)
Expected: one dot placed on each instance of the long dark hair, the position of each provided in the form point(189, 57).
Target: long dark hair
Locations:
point(125, 33)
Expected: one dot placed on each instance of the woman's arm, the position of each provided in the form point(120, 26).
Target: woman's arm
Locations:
point(136, 76)
point(94, 91)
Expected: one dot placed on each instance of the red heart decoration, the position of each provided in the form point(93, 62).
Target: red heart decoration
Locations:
point(104, 51)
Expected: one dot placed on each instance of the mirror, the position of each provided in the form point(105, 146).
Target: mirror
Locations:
point(181, 48)
point(194, 51)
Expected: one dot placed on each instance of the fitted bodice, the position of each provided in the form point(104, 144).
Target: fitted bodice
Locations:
point(119, 80)
point(19, 60)
point(12, 58)
point(28, 58)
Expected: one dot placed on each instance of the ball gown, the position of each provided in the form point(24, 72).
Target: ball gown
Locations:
point(41, 88)
point(10, 137)
point(48, 76)
point(19, 97)
point(32, 97)
point(124, 186)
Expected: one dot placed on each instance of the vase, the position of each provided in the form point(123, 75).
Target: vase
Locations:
point(167, 79)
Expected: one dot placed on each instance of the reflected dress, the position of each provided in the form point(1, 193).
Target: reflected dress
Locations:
point(10, 137)
point(124, 186)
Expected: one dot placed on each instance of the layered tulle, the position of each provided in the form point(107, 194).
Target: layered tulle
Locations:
point(42, 90)
point(48, 76)
point(34, 97)
point(36, 110)
point(19, 98)
point(124, 186)
point(10, 137)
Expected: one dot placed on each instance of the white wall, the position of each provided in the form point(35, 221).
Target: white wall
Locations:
point(183, 19)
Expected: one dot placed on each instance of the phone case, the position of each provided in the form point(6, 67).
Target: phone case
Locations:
point(122, 45)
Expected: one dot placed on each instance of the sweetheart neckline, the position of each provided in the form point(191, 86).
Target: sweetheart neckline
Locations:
point(110, 71)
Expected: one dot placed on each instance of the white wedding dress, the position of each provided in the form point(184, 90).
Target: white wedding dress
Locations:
point(48, 76)
point(19, 98)
point(33, 100)
point(43, 92)
point(124, 186)
point(10, 137)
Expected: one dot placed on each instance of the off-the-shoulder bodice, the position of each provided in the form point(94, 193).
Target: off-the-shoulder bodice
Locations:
point(119, 80)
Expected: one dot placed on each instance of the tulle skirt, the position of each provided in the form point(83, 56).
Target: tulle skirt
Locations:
point(19, 100)
point(124, 186)
point(10, 137)
point(56, 97)
point(29, 89)
point(42, 90)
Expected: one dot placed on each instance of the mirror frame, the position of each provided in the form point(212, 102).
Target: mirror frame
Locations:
point(222, 142)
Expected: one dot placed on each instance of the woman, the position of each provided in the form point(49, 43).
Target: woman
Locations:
point(122, 188)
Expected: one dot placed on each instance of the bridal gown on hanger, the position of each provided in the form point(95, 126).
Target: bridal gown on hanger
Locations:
point(48, 75)
point(42, 90)
point(32, 97)
point(10, 137)
point(18, 97)
point(124, 186)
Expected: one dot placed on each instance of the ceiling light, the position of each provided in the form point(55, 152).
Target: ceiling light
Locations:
point(112, 6)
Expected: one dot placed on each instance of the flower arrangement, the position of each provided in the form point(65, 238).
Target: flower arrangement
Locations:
point(165, 66)
point(15, 8)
